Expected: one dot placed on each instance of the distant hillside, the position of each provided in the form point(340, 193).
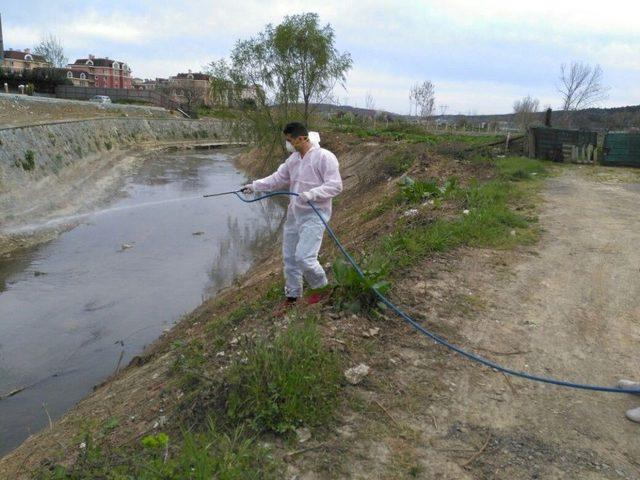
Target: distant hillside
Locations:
point(618, 118)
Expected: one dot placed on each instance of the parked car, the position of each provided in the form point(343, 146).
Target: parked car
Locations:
point(100, 99)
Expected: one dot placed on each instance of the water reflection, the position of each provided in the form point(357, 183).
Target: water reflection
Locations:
point(71, 307)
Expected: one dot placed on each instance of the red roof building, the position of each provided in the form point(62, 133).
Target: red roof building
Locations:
point(104, 72)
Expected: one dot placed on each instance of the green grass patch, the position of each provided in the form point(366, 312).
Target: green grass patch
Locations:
point(398, 163)
point(223, 113)
point(411, 192)
point(490, 222)
point(414, 133)
point(132, 101)
point(519, 168)
point(291, 382)
point(212, 453)
point(27, 163)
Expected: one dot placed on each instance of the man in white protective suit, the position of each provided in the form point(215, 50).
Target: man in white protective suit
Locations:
point(313, 173)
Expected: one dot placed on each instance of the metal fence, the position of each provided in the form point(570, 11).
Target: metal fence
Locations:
point(563, 145)
point(622, 149)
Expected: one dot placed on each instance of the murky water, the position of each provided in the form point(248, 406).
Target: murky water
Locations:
point(68, 309)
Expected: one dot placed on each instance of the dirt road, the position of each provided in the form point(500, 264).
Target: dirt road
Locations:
point(568, 307)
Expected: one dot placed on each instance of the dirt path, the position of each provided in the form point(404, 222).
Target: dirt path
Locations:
point(569, 307)
point(574, 304)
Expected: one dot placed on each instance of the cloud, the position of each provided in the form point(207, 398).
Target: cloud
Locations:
point(504, 50)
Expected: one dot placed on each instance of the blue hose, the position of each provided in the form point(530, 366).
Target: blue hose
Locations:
point(431, 335)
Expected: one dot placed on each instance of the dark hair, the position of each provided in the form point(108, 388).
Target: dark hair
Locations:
point(295, 129)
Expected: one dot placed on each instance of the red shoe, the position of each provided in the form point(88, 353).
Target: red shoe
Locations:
point(318, 295)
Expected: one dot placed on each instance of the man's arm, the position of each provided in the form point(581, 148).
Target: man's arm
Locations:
point(278, 179)
point(331, 180)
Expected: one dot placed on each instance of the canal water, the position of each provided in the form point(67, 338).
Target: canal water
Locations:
point(117, 279)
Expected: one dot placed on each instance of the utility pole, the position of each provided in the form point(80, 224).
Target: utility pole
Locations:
point(1, 44)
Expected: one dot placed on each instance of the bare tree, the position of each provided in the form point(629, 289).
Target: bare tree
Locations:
point(51, 49)
point(412, 99)
point(581, 86)
point(369, 102)
point(525, 111)
point(423, 96)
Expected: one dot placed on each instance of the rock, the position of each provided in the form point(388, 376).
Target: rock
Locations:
point(37, 273)
point(303, 434)
point(513, 233)
point(355, 375)
point(126, 246)
point(465, 212)
point(410, 213)
point(372, 332)
point(197, 233)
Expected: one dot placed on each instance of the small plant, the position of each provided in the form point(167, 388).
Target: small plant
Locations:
point(293, 381)
point(188, 362)
point(414, 191)
point(355, 293)
point(398, 163)
point(155, 442)
point(108, 145)
point(28, 163)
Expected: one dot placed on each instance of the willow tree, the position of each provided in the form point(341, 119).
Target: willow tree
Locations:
point(270, 74)
point(309, 59)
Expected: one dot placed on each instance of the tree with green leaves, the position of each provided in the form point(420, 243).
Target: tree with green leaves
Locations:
point(312, 64)
point(270, 74)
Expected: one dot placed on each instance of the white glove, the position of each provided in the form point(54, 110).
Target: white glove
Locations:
point(307, 196)
point(248, 188)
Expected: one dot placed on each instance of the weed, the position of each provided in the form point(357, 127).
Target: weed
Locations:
point(355, 293)
point(108, 145)
point(190, 359)
point(27, 163)
point(398, 163)
point(283, 385)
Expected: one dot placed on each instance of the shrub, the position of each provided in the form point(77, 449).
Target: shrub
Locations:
point(28, 163)
point(398, 163)
point(355, 293)
point(291, 382)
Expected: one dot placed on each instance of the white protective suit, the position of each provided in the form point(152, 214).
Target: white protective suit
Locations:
point(318, 174)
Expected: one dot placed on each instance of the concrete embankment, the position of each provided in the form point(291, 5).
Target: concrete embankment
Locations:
point(63, 168)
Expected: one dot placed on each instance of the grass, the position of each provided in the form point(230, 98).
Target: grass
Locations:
point(223, 113)
point(489, 222)
point(27, 163)
point(411, 192)
point(291, 382)
point(414, 133)
point(281, 385)
point(519, 168)
point(212, 453)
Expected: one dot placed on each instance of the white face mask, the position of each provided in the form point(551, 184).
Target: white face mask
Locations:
point(289, 147)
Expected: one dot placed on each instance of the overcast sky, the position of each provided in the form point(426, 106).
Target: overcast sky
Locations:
point(481, 54)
